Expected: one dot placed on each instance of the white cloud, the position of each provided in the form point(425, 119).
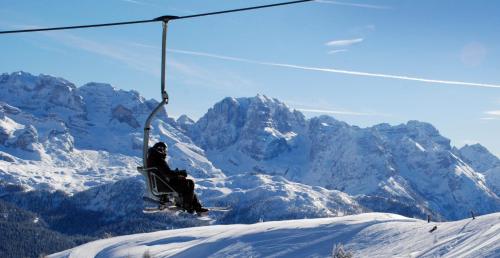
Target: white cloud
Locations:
point(492, 115)
point(344, 42)
point(338, 71)
point(493, 112)
point(369, 6)
point(331, 52)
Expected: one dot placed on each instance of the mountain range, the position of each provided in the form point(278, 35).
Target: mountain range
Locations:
point(68, 146)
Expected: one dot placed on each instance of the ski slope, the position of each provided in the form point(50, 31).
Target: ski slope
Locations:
point(364, 235)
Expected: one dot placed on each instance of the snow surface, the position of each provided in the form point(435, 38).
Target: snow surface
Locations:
point(364, 235)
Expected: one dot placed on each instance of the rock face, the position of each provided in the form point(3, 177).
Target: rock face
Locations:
point(478, 157)
point(262, 128)
point(410, 164)
point(56, 136)
point(484, 162)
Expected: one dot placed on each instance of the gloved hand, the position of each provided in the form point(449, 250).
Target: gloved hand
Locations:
point(181, 172)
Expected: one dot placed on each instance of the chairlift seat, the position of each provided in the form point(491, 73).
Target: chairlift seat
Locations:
point(156, 193)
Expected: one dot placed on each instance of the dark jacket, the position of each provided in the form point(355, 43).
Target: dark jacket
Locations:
point(157, 161)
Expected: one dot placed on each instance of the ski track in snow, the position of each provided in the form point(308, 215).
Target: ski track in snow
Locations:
point(365, 235)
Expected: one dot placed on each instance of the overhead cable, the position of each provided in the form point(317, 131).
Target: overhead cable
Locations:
point(162, 18)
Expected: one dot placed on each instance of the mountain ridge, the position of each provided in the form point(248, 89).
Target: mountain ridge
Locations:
point(93, 137)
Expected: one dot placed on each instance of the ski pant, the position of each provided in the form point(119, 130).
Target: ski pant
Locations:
point(185, 187)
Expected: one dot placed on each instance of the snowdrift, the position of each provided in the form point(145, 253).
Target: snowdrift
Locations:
point(364, 235)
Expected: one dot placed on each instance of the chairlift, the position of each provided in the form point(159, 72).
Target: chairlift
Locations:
point(153, 194)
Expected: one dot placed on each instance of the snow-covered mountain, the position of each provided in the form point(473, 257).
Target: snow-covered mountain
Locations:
point(410, 163)
point(54, 135)
point(250, 153)
point(69, 154)
point(89, 145)
point(364, 235)
point(483, 162)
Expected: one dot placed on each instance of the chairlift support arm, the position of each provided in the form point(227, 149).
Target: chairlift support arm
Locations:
point(164, 95)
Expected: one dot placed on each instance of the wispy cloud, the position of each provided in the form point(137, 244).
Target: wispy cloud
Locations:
point(331, 52)
point(147, 60)
point(339, 112)
point(133, 2)
point(344, 42)
point(493, 112)
point(149, 63)
point(135, 60)
point(492, 115)
point(324, 107)
point(201, 77)
point(369, 6)
point(339, 71)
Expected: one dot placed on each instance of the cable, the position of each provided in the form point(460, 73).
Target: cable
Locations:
point(77, 27)
point(241, 9)
point(162, 18)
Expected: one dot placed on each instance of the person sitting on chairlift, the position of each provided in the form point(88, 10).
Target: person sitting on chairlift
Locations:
point(175, 178)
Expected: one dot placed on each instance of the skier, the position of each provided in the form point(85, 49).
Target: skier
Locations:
point(175, 178)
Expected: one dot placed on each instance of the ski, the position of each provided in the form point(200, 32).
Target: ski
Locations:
point(161, 209)
point(222, 209)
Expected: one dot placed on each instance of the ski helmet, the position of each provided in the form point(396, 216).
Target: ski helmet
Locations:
point(161, 148)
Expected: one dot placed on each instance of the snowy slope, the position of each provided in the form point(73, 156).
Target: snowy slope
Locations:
point(364, 235)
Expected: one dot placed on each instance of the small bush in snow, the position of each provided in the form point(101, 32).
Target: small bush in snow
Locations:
point(146, 254)
point(339, 252)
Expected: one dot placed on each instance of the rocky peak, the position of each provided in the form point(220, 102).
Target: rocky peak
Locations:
point(185, 122)
point(478, 157)
point(421, 135)
point(260, 126)
point(43, 95)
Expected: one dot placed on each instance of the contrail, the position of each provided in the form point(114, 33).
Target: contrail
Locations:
point(353, 4)
point(331, 70)
point(337, 112)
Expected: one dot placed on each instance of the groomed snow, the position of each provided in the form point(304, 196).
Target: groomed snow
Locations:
point(365, 235)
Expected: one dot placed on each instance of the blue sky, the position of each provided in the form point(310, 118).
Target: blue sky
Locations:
point(363, 62)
